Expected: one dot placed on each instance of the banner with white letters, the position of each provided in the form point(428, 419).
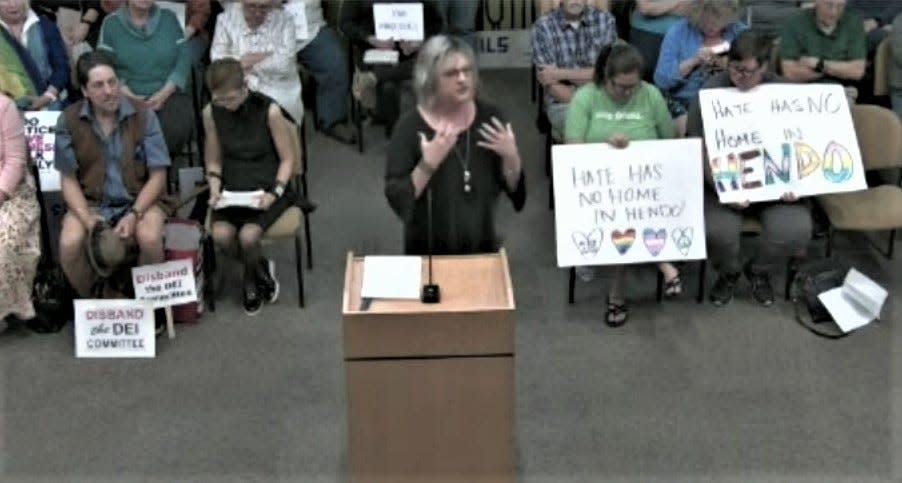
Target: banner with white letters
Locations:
point(639, 204)
point(780, 138)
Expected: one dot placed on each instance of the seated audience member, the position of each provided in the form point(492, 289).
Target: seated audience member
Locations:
point(20, 245)
point(459, 17)
point(147, 44)
point(565, 44)
point(694, 49)
point(453, 155)
point(87, 27)
point(823, 44)
point(112, 158)
point(196, 13)
point(786, 223)
point(379, 86)
point(877, 17)
point(34, 65)
point(649, 22)
point(324, 56)
point(248, 148)
point(618, 92)
point(895, 65)
point(263, 39)
point(767, 16)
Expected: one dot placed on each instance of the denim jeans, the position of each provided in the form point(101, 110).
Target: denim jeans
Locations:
point(326, 59)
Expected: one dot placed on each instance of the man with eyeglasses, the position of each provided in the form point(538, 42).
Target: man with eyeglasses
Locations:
point(824, 44)
point(786, 223)
point(262, 38)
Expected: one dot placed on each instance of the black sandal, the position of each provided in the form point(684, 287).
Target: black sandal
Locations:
point(616, 314)
point(674, 286)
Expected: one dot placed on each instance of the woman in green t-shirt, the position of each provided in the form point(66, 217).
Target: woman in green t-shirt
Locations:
point(618, 107)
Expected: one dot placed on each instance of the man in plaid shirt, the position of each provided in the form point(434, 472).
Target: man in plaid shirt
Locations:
point(565, 44)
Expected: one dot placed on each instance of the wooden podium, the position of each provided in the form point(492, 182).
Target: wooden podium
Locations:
point(431, 386)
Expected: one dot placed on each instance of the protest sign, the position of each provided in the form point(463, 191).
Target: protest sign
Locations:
point(40, 134)
point(638, 204)
point(165, 284)
point(114, 329)
point(780, 138)
point(398, 21)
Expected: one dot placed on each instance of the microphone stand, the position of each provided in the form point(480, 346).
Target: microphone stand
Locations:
point(431, 293)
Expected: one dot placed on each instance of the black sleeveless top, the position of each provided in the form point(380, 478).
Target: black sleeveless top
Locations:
point(249, 157)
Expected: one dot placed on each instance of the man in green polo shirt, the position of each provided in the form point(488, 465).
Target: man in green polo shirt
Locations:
point(823, 44)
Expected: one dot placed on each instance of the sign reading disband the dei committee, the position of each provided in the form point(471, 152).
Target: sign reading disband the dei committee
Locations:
point(114, 328)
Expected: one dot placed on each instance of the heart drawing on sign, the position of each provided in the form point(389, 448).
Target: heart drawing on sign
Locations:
point(682, 238)
point(654, 240)
point(623, 240)
point(588, 244)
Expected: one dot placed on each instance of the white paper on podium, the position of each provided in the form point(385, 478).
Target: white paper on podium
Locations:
point(243, 199)
point(856, 303)
point(391, 277)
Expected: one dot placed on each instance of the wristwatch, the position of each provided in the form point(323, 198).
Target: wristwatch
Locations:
point(820, 66)
point(278, 190)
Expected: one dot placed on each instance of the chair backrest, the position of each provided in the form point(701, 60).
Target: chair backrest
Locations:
point(881, 70)
point(545, 6)
point(879, 134)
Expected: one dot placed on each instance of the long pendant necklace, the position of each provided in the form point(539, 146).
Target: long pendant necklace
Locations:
point(465, 163)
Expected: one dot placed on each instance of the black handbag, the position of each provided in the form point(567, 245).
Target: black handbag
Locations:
point(810, 280)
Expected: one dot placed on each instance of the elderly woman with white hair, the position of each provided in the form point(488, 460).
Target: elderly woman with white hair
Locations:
point(34, 64)
point(452, 155)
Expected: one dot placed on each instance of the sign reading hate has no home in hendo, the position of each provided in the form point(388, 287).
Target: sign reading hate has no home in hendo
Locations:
point(634, 205)
point(780, 138)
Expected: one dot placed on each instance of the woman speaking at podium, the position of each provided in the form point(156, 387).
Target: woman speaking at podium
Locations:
point(451, 157)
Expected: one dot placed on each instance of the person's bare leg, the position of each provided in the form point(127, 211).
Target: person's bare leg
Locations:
point(149, 236)
point(73, 258)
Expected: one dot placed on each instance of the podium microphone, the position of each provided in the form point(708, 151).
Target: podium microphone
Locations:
point(431, 293)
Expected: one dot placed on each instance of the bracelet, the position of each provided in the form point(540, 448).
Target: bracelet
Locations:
point(86, 22)
point(425, 168)
point(214, 174)
point(138, 213)
point(278, 190)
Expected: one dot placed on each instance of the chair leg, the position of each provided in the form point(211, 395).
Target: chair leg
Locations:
point(571, 285)
point(209, 268)
point(660, 286)
point(790, 274)
point(300, 273)
point(892, 244)
point(358, 122)
point(307, 242)
point(702, 272)
point(829, 241)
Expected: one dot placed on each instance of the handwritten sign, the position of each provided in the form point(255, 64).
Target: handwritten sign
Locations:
point(114, 329)
point(780, 138)
point(40, 134)
point(398, 21)
point(165, 284)
point(639, 204)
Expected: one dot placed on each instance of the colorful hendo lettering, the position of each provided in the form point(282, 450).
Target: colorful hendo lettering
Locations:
point(836, 165)
point(725, 173)
point(836, 162)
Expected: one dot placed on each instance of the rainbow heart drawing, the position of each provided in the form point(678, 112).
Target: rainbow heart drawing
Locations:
point(623, 240)
point(654, 240)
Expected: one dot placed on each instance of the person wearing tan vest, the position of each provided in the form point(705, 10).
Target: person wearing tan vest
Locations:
point(112, 159)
